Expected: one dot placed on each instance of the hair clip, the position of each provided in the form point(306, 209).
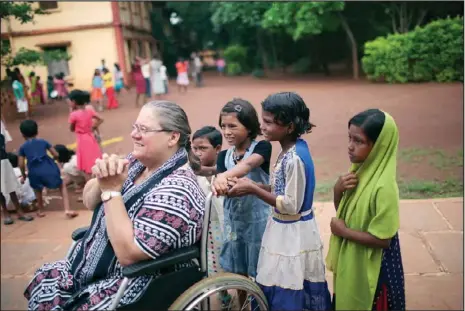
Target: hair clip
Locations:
point(238, 108)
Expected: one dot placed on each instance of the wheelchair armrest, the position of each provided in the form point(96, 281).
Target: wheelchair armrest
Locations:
point(169, 260)
point(79, 233)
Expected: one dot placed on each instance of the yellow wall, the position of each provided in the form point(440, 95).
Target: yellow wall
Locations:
point(87, 49)
point(69, 13)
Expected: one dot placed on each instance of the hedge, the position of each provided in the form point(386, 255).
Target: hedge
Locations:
point(430, 53)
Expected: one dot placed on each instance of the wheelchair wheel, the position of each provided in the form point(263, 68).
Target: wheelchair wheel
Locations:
point(207, 294)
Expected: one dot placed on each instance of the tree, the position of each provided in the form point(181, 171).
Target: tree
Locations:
point(23, 12)
point(243, 17)
point(301, 19)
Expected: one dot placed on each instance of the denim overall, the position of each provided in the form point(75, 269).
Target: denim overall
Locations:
point(245, 220)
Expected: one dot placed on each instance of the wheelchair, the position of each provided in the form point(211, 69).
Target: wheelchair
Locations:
point(189, 287)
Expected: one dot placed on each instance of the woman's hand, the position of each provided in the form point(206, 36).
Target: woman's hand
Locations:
point(346, 182)
point(338, 227)
point(111, 172)
point(240, 187)
point(220, 185)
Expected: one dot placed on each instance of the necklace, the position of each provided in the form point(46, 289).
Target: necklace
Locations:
point(237, 158)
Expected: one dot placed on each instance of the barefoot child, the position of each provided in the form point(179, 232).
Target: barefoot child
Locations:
point(244, 217)
point(43, 172)
point(291, 269)
point(81, 123)
point(364, 250)
point(9, 186)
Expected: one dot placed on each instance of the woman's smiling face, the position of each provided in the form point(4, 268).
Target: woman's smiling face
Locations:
point(149, 139)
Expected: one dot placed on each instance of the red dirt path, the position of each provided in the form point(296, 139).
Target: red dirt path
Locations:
point(428, 116)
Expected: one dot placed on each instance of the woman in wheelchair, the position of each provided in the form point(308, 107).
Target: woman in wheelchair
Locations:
point(145, 205)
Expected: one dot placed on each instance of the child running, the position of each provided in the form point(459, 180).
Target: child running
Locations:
point(43, 172)
point(97, 94)
point(364, 250)
point(244, 217)
point(81, 122)
point(9, 186)
point(206, 144)
point(291, 269)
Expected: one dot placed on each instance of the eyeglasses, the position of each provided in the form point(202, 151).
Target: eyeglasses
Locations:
point(144, 130)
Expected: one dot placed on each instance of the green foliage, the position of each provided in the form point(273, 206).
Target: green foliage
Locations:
point(247, 14)
point(301, 66)
point(233, 69)
point(19, 10)
point(236, 54)
point(430, 53)
point(300, 19)
point(258, 73)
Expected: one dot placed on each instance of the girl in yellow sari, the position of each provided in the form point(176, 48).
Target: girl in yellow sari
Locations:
point(364, 250)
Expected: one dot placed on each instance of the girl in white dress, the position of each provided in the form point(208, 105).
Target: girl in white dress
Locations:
point(291, 269)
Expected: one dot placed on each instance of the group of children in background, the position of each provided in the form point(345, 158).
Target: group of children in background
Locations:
point(106, 83)
point(266, 228)
point(27, 174)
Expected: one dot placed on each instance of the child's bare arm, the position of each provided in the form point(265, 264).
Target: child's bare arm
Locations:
point(22, 166)
point(72, 127)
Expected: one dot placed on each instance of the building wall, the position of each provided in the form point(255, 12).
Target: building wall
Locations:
point(87, 48)
point(69, 13)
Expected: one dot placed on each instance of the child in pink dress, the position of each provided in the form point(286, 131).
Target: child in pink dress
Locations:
point(82, 123)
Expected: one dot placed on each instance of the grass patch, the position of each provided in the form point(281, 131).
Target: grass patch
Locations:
point(421, 189)
point(435, 157)
point(408, 189)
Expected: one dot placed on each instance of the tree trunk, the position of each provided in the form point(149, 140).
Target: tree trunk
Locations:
point(273, 50)
point(353, 44)
point(261, 50)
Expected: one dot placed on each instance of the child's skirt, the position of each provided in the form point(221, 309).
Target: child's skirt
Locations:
point(97, 94)
point(9, 183)
point(182, 79)
point(215, 239)
point(21, 105)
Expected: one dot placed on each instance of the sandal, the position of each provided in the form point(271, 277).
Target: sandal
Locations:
point(8, 221)
point(40, 214)
point(71, 214)
point(26, 218)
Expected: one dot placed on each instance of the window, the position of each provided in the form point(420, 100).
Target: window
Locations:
point(48, 5)
point(55, 67)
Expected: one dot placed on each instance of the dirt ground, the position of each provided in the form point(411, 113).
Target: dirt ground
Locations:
point(429, 117)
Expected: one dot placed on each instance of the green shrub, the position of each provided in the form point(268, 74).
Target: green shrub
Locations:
point(430, 53)
point(236, 54)
point(301, 66)
point(233, 69)
point(258, 73)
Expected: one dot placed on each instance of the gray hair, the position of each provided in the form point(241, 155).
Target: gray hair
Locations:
point(173, 118)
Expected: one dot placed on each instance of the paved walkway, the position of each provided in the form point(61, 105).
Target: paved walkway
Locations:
point(431, 236)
